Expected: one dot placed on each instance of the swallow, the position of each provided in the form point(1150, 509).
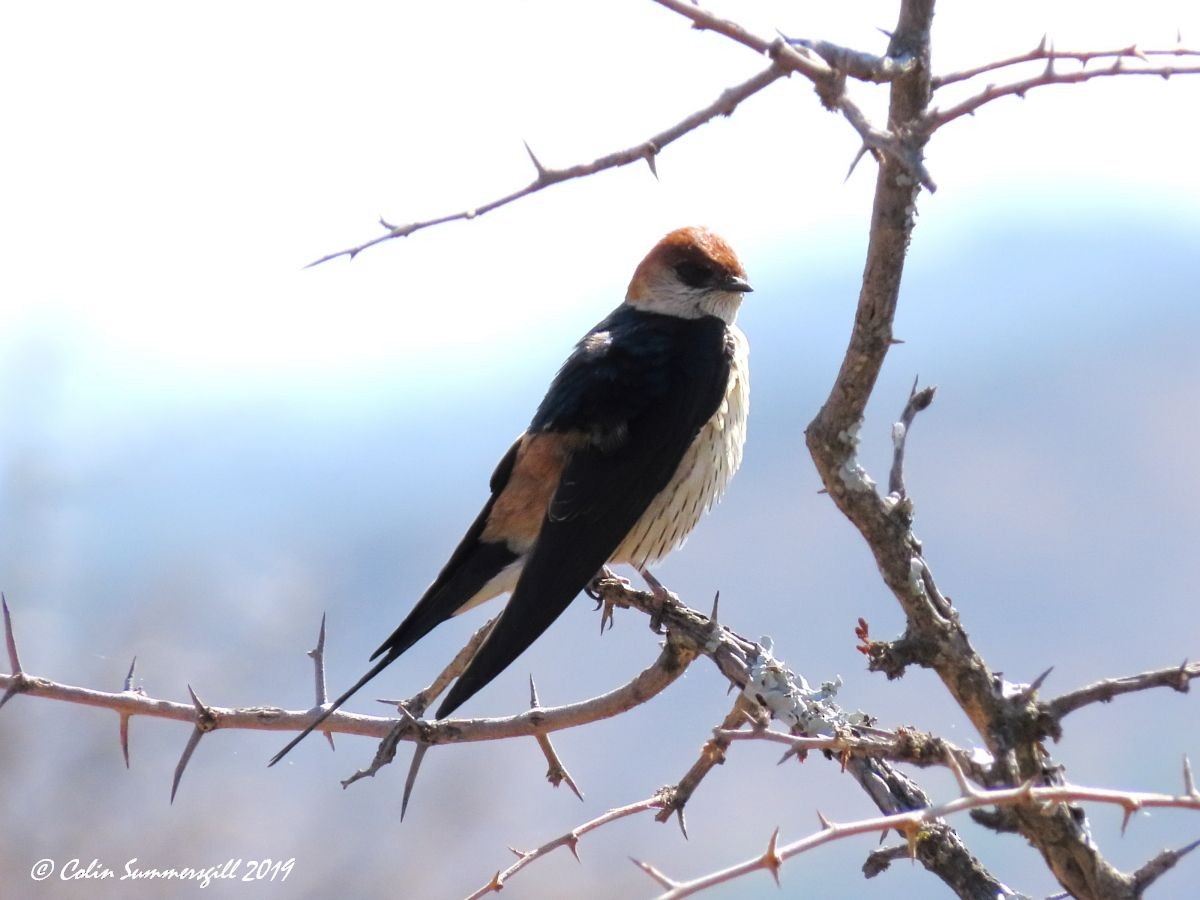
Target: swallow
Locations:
point(637, 436)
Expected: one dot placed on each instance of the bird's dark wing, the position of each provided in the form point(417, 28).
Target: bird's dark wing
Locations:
point(472, 565)
point(636, 393)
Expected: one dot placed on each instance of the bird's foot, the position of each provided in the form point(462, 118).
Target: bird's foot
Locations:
point(662, 596)
point(606, 598)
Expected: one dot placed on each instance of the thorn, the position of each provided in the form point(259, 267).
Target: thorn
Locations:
point(1130, 808)
point(515, 852)
point(862, 151)
point(959, 775)
point(124, 731)
point(534, 703)
point(1041, 47)
point(418, 756)
point(658, 876)
point(651, 156)
point(129, 677)
point(541, 170)
point(497, 883)
point(893, 341)
point(1039, 681)
point(200, 708)
point(682, 822)
point(1187, 848)
point(205, 722)
point(1027, 692)
point(712, 617)
point(1189, 784)
point(771, 859)
point(825, 823)
point(14, 660)
point(573, 846)
point(192, 744)
point(317, 655)
point(318, 651)
point(124, 726)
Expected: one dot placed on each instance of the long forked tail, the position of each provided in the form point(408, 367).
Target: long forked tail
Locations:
point(326, 713)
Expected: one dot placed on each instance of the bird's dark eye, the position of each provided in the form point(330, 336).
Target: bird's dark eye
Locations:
point(694, 274)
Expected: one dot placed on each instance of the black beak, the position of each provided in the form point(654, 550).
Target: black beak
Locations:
point(738, 284)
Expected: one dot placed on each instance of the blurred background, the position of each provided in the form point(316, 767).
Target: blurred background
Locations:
point(205, 446)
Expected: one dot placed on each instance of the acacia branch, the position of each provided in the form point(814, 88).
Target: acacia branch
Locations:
point(906, 745)
point(936, 118)
point(934, 636)
point(1175, 677)
point(570, 839)
point(830, 84)
point(647, 150)
point(788, 699)
point(651, 681)
point(911, 824)
point(1046, 51)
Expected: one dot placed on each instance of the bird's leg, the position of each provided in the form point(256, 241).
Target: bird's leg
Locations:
point(605, 598)
point(662, 595)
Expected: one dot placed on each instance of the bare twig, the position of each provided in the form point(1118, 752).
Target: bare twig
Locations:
point(647, 150)
point(917, 401)
point(1045, 50)
point(419, 702)
point(1159, 866)
point(1176, 677)
point(905, 745)
point(855, 63)
point(911, 824)
point(711, 754)
point(936, 118)
point(829, 83)
point(557, 773)
point(569, 839)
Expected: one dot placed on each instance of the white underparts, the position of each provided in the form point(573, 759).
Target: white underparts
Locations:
point(502, 582)
point(702, 476)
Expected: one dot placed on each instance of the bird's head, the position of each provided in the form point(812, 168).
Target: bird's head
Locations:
point(690, 273)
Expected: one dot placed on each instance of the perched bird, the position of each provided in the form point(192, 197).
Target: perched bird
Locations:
point(637, 436)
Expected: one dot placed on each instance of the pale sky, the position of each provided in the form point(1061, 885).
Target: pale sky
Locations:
point(168, 169)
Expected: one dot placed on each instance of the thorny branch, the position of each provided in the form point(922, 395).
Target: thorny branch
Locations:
point(830, 84)
point(912, 822)
point(1046, 51)
point(1007, 719)
point(936, 118)
point(647, 150)
point(569, 840)
point(1176, 677)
